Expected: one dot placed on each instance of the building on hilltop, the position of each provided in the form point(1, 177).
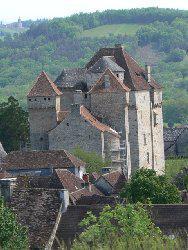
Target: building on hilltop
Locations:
point(111, 106)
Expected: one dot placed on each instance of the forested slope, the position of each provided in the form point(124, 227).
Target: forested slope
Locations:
point(158, 36)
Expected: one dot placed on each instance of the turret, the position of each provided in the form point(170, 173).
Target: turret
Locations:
point(43, 102)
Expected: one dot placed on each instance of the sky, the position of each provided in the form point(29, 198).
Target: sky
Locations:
point(10, 10)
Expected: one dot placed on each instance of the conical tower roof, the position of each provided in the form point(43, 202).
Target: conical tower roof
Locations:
point(44, 86)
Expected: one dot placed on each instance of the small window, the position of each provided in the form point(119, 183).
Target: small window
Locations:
point(30, 100)
point(67, 124)
point(117, 75)
point(35, 99)
point(85, 96)
point(147, 157)
point(155, 119)
point(41, 139)
point(145, 141)
point(45, 98)
point(49, 98)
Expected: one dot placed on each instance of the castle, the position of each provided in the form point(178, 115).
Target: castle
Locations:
point(111, 106)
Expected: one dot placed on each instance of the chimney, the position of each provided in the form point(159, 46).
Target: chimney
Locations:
point(64, 195)
point(148, 73)
point(78, 97)
point(75, 108)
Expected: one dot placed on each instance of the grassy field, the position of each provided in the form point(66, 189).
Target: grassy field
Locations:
point(116, 29)
point(173, 166)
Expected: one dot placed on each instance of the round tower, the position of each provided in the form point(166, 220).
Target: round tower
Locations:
point(43, 104)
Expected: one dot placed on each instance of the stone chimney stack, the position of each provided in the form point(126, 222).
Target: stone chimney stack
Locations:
point(78, 97)
point(148, 73)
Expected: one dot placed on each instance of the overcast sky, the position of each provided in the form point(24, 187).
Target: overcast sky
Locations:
point(10, 10)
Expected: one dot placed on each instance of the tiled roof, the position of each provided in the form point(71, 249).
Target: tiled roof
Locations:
point(115, 84)
point(37, 209)
point(69, 77)
point(134, 75)
point(172, 134)
point(85, 192)
point(41, 159)
point(94, 122)
point(116, 179)
point(105, 62)
point(4, 175)
point(44, 86)
point(69, 181)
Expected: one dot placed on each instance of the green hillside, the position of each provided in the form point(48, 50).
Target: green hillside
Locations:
point(155, 36)
point(129, 29)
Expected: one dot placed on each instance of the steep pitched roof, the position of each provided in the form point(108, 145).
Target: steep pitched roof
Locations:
point(69, 77)
point(172, 134)
point(85, 192)
point(116, 84)
point(105, 62)
point(69, 181)
point(94, 122)
point(116, 179)
point(134, 76)
point(44, 86)
point(41, 159)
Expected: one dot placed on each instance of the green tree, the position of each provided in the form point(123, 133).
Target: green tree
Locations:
point(130, 225)
point(14, 127)
point(94, 162)
point(12, 235)
point(146, 186)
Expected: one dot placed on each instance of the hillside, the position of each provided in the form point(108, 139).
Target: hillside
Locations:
point(128, 29)
point(155, 36)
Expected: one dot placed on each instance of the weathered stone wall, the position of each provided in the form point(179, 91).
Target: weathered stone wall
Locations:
point(42, 118)
point(75, 131)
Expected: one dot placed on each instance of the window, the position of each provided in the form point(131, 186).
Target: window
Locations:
point(45, 98)
point(41, 139)
point(145, 141)
point(117, 75)
point(155, 119)
point(67, 124)
point(85, 96)
point(35, 99)
point(49, 98)
point(147, 157)
point(30, 100)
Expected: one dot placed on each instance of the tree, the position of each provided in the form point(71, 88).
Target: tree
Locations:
point(181, 179)
point(128, 226)
point(14, 127)
point(94, 162)
point(145, 186)
point(176, 55)
point(12, 235)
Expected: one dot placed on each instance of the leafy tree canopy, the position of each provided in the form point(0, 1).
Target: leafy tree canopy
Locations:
point(14, 126)
point(145, 186)
point(12, 235)
point(94, 162)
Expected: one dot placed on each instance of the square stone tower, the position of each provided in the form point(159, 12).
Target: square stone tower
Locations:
point(43, 102)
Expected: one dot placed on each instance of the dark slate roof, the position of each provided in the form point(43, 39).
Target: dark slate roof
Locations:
point(85, 192)
point(2, 152)
point(134, 76)
point(40, 159)
point(105, 62)
point(37, 209)
point(172, 134)
point(69, 77)
point(44, 86)
point(116, 85)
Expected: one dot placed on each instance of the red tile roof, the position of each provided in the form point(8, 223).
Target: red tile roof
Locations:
point(69, 181)
point(94, 122)
point(4, 175)
point(134, 75)
point(41, 159)
point(116, 179)
point(44, 86)
point(115, 84)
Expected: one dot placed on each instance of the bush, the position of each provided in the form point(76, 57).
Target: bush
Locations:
point(145, 186)
point(181, 179)
point(122, 227)
point(94, 162)
point(12, 235)
point(177, 55)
